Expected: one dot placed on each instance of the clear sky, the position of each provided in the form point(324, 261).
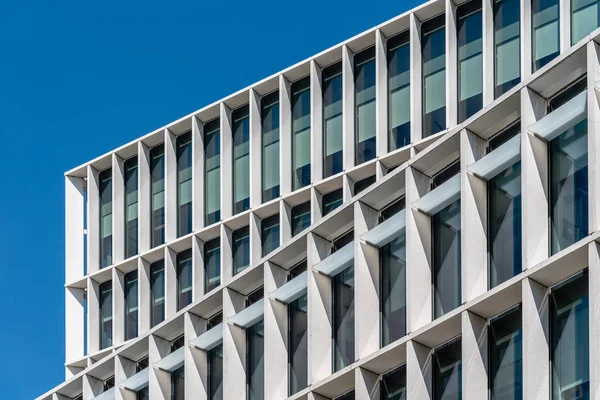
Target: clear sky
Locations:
point(80, 78)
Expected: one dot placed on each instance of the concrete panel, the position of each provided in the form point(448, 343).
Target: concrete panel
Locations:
point(526, 46)
point(144, 299)
point(226, 162)
point(255, 238)
point(118, 304)
point(195, 364)
point(170, 283)
point(593, 76)
point(316, 122)
point(255, 150)
point(594, 307)
point(487, 10)
point(144, 198)
point(170, 186)
point(416, 80)
point(74, 228)
point(124, 368)
point(348, 106)
point(198, 269)
point(234, 348)
point(366, 385)
point(285, 135)
point(74, 324)
point(118, 209)
point(159, 384)
point(418, 371)
point(93, 316)
point(451, 65)
point(564, 14)
point(93, 220)
point(474, 357)
point(197, 174)
point(381, 94)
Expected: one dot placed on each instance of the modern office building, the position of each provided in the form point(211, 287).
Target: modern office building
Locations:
point(411, 214)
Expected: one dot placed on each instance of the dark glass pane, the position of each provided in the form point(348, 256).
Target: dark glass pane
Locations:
point(504, 213)
point(507, 45)
point(569, 335)
point(178, 384)
point(241, 160)
point(392, 209)
point(215, 373)
point(212, 264)
point(241, 249)
point(446, 259)
point(184, 279)
point(157, 293)
point(346, 396)
point(131, 207)
point(212, 172)
point(270, 234)
point(470, 59)
point(393, 384)
point(567, 94)
point(301, 133)
point(300, 218)
point(157, 172)
point(106, 316)
point(447, 371)
point(342, 240)
point(297, 270)
point(255, 296)
point(444, 175)
point(184, 183)
point(545, 32)
point(363, 184)
point(255, 368)
point(343, 319)
point(332, 120)
point(131, 305)
point(332, 200)
point(433, 41)
point(298, 344)
point(364, 94)
point(105, 191)
point(270, 146)
point(506, 356)
point(393, 290)
point(504, 136)
point(569, 187)
point(398, 56)
point(143, 394)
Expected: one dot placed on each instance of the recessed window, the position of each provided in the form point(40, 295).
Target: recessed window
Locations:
point(585, 18)
point(241, 159)
point(105, 191)
point(131, 207)
point(447, 371)
point(364, 86)
point(131, 305)
point(507, 45)
point(433, 41)
point(362, 184)
point(270, 146)
point(506, 355)
point(212, 172)
point(301, 133)
point(157, 174)
point(393, 384)
point(332, 200)
point(157, 293)
point(545, 39)
point(398, 56)
point(332, 120)
point(184, 183)
point(212, 264)
point(106, 314)
point(300, 218)
point(269, 234)
point(241, 249)
point(470, 59)
point(184, 278)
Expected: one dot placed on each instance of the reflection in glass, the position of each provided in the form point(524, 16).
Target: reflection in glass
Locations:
point(332, 200)
point(585, 17)
point(343, 319)
point(569, 335)
point(215, 373)
point(178, 384)
point(105, 192)
point(241, 249)
point(184, 279)
point(131, 207)
point(298, 344)
point(398, 56)
point(332, 120)
point(157, 174)
point(361, 185)
point(446, 259)
point(106, 316)
point(470, 59)
point(212, 172)
point(545, 32)
point(301, 133)
point(157, 293)
point(300, 218)
point(255, 368)
point(212, 264)
point(506, 356)
point(364, 86)
point(184, 184)
point(241, 159)
point(568, 187)
point(131, 305)
point(269, 113)
point(447, 371)
point(433, 40)
point(393, 384)
point(507, 46)
point(269, 234)
point(504, 213)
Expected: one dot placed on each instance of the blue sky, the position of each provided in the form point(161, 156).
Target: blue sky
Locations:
point(79, 78)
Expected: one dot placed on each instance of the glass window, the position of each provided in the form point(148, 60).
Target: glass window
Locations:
point(569, 337)
point(178, 384)
point(504, 219)
point(106, 315)
point(545, 32)
point(361, 185)
point(398, 56)
point(342, 240)
point(131, 305)
point(332, 120)
point(184, 279)
point(270, 146)
point(241, 249)
point(447, 371)
point(393, 384)
point(332, 200)
point(393, 284)
point(470, 59)
point(301, 133)
point(507, 46)
point(255, 368)
point(346, 396)
point(585, 18)
point(184, 183)
point(300, 218)
point(364, 87)
point(131, 207)
point(157, 292)
point(157, 172)
point(343, 319)
point(433, 40)
point(105, 218)
point(212, 264)
point(215, 373)
point(298, 343)
point(270, 234)
point(241, 159)
point(143, 394)
point(506, 356)
point(568, 187)
point(212, 172)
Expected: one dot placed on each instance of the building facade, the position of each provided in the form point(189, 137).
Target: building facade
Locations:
point(407, 215)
